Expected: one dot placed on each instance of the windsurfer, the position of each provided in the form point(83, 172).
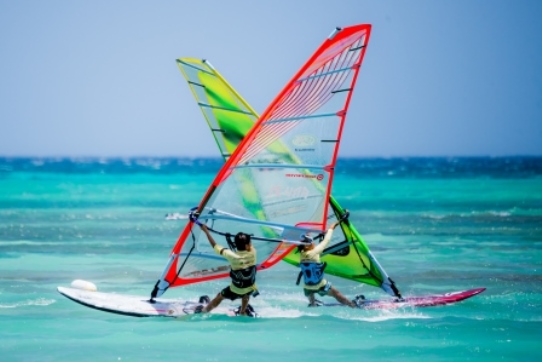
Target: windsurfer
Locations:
point(243, 272)
point(312, 270)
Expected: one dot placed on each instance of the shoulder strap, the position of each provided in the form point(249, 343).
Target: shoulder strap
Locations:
point(299, 278)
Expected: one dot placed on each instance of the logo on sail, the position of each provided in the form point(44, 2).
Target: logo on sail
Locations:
point(319, 177)
point(303, 140)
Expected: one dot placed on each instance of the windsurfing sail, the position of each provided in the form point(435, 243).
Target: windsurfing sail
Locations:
point(230, 118)
point(264, 189)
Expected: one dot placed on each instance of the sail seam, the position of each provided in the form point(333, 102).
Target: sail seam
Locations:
point(205, 105)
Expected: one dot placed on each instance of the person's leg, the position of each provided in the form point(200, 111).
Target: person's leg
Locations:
point(340, 298)
point(244, 303)
point(312, 299)
point(214, 303)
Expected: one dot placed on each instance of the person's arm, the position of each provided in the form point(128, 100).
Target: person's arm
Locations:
point(327, 238)
point(334, 225)
point(320, 248)
point(226, 253)
point(209, 236)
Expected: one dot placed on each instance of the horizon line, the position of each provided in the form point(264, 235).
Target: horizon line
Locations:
point(220, 158)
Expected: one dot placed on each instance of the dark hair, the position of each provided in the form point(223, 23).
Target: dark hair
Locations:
point(241, 241)
point(308, 240)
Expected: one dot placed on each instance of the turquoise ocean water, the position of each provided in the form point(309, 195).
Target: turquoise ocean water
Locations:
point(435, 224)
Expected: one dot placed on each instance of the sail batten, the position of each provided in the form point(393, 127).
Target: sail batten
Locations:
point(357, 48)
point(223, 108)
point(195, 67)
point(198, 84)
point(279, 165)
point(299, 118)
point(323, 74)
point(342, 90)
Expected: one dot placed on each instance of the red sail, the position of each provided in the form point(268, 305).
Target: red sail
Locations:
point(276, 184)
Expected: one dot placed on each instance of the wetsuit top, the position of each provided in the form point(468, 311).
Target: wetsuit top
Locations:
point(313, 256)
point(243, 268)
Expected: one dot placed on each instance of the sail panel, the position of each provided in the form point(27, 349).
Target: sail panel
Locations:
point(222, 108)
point(314, 92)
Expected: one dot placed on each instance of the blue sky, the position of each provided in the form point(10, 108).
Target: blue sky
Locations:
point(98, 78)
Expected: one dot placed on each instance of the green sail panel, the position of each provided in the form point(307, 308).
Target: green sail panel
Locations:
point(348, 256)
point(226, 113)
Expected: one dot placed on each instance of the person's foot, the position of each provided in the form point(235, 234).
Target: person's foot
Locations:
point(249, 311)
point(316, 303)
point(358, 300)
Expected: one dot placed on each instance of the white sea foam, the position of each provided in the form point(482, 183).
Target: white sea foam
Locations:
point(385, 315)
point(41, 302)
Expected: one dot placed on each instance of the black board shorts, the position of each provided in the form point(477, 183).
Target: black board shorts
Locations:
point(228, 294)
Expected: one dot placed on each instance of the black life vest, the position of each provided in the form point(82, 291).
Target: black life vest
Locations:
point(243, 278)
point(312, 272)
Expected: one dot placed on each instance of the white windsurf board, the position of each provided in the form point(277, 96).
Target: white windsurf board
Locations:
point(134, 305)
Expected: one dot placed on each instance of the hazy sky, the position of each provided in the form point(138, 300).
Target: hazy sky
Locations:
point(98, 78)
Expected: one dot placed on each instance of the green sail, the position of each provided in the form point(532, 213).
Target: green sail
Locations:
point(230, 118)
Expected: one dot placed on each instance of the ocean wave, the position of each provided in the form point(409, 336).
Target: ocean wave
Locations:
point(112, 165)
point(41, 302)
point(57, 243)
point(398, 167)
point(386, 315)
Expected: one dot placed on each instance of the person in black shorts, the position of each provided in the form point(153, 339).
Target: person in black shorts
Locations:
point(243, 272)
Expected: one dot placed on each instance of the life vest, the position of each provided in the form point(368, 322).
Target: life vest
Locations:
point(312, 272)
point(243, 278)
